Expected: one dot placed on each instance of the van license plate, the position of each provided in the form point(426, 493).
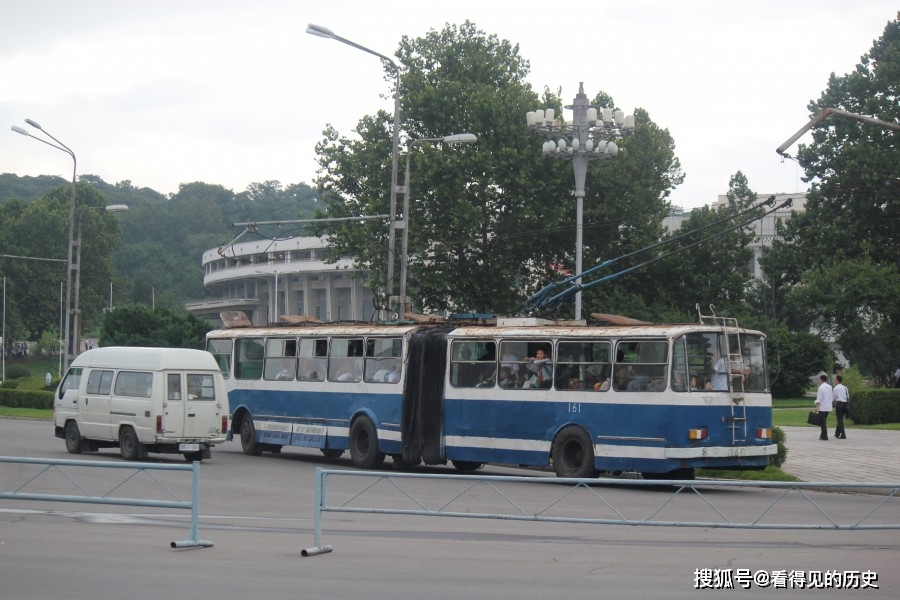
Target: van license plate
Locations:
point(188, 447)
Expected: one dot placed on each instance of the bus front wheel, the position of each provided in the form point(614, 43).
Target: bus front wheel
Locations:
point(573, 453)
point(248, 437)
point(364, 445)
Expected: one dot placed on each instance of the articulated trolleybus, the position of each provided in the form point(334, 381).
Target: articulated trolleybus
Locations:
point(659, 400)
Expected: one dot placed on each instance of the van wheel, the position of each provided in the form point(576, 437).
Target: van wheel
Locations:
point(129, 445)
point(364, 445)
point(248, 437)
point(193, 457)
point(73, 438)
point(573, 453)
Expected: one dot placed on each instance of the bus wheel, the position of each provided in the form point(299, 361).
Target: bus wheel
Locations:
point(73, 438)
point(364, 445)
point(248, 437)
point(573, 453)
point(466, 465)
point(332, 452)
point(129, 445)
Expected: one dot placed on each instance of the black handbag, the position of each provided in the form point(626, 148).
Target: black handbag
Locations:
point(814, 418)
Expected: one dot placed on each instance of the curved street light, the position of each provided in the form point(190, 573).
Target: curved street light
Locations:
point(590, 136)
point(324, 32)
point(69, 352)
point(457, 138)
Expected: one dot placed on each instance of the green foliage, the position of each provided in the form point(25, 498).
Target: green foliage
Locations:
point(835, 267)
point(23, 398)
point(14, 371)
point(139, 325)
point(780, 438)
point(487, 220)
point(793, 358)
point(875, 406)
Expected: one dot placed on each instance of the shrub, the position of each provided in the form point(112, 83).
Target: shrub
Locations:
point(26, 398)
point(873, 407)
point(15, 371)
point(779, 437)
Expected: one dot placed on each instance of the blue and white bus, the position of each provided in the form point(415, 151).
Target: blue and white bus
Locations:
point(659, 400)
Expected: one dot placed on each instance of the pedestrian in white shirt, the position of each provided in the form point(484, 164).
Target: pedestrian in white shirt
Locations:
point(824, 397)
point(841, 397)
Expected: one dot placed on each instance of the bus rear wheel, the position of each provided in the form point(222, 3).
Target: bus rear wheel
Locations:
point(573, 453)
point(248, 437)
point(364, 445)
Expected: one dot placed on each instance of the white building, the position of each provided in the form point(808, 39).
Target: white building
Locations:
point(268, 279)
point(764, 228)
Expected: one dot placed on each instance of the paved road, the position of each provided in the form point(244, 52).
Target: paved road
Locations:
point(867, 455)
point(257, 511)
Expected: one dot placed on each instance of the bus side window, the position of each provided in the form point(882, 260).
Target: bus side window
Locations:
point(473, 364)
point(280, 361)
point(313, 359)
point(249, 354)
point(345, 362)
point(221, 351)
point(383, 359)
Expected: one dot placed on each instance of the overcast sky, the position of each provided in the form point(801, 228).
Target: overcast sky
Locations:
point(166, 92)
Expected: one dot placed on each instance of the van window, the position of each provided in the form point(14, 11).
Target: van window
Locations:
point(201, 386)
point(99, 382)
point(134, 384)
point(173, 385)
point(70, 382)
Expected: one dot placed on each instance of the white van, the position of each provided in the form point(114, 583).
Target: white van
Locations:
point(163, 400)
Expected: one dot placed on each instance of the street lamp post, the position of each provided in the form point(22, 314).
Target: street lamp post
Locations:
point(458, 138)
point(588, 137)
point(69, 351)
point(76, 312)
point(324, 32)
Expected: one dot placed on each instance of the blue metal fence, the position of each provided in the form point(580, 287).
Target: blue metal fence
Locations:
point(879, 503)
point(19, 490)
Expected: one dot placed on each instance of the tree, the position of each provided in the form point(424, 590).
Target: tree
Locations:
point(486, 221)
point(139, 325)
point(40, 229)
point(857, 304)
point(849, 230)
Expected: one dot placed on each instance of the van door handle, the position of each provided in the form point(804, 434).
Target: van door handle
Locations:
point(191, 414)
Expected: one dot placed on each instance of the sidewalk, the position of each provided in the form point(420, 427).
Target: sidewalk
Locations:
point(866, 456)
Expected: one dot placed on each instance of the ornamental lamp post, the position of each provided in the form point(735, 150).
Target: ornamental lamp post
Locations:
point(324, 32)
point(457, 138)
point(590, 136)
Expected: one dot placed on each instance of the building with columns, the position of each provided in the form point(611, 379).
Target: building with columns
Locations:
point(267, 279)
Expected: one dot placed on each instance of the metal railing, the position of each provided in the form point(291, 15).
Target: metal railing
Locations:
point(549, 504)
point(19, 491)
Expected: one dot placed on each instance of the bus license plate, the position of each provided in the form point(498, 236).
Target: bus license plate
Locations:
point(188, 447)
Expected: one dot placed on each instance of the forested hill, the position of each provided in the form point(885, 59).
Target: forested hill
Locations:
point(163, 237)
